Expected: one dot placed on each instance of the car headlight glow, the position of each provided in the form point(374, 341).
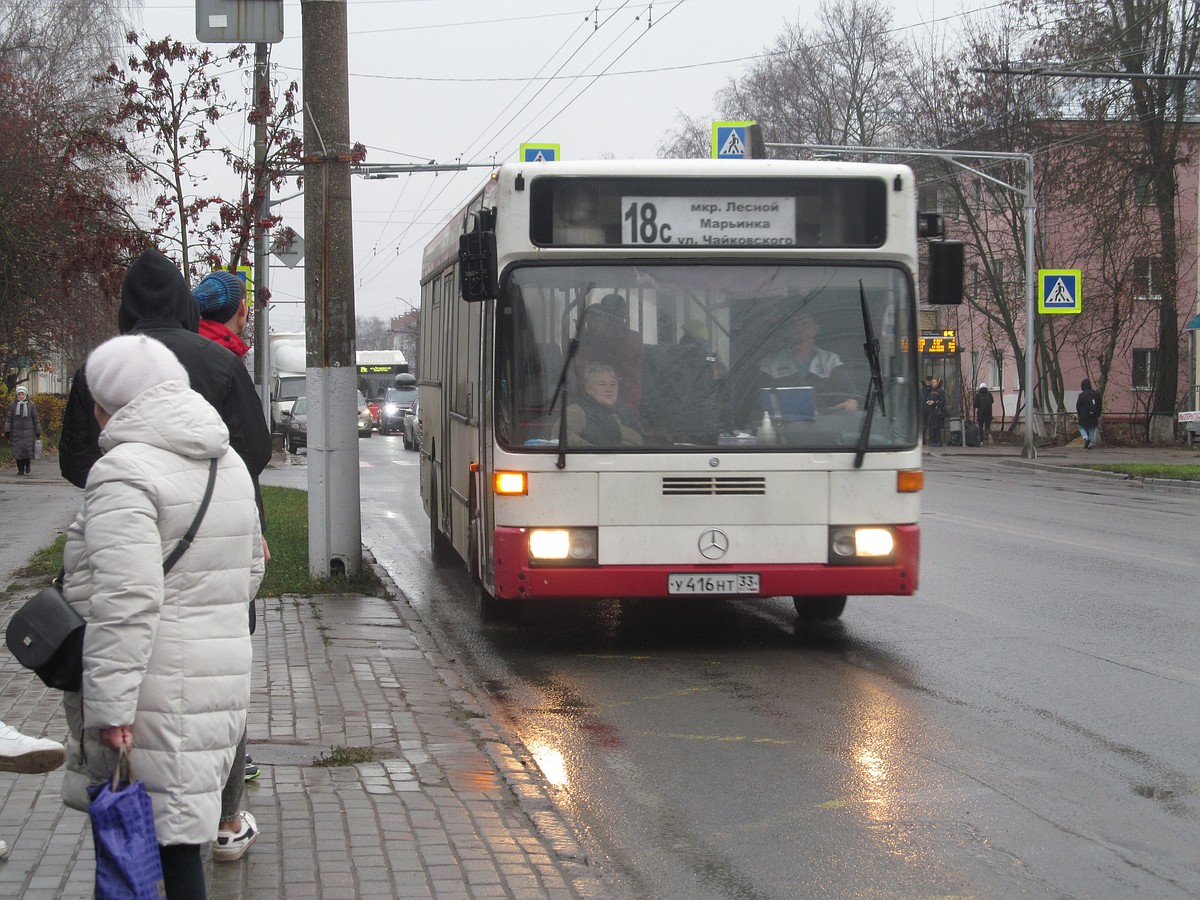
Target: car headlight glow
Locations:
point(390, 409)
point(562, 546)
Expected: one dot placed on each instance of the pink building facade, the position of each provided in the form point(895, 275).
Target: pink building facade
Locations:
point(1111, 237)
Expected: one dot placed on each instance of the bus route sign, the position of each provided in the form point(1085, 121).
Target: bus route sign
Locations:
point(1059, 291)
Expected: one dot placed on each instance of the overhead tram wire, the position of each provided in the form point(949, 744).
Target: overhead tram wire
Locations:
point(600, 74)
point(386, 262)
point(496, 136)
point(529, 83)
point(479, 138)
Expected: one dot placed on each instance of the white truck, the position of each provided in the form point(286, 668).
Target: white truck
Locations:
point(287, 374)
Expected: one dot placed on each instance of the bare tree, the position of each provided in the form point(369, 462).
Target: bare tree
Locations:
point(691, 138)
point(64, 243)
point(835, 83)
point(168, 96)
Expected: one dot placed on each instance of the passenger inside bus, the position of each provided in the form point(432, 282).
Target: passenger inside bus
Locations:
point(686, 404)
point(608, 339)
point(599, 418)
point(799, 362)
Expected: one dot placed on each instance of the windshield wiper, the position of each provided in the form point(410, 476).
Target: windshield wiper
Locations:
point(561, 388)
point(875, 388)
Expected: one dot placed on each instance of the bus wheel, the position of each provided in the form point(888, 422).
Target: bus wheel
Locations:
point(441, 551)
point(492, 609)
point(819, 609)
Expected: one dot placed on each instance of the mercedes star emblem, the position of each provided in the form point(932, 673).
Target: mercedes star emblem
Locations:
point(713, 544)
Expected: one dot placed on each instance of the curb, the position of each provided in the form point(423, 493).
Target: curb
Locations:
point(514, 764)
point(1160, 484)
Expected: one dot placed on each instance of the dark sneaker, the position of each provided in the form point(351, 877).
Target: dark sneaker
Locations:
point(252, 770)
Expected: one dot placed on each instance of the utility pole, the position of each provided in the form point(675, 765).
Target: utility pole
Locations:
point(334, 522)
point(262, 260)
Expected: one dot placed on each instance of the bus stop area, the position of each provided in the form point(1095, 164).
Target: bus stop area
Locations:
point(447, 806)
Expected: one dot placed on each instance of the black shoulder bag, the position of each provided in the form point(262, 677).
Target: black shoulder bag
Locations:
point(46, 634)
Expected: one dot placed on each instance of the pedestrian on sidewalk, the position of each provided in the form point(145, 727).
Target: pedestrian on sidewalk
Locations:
point(166, 658)
point(23, 428)
point(935, 412)
point(983, 412)
point(1087, 409)
point(156, 301)
point(221, 297)
point(27, 755)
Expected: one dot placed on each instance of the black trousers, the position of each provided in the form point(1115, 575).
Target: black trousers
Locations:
point(183, 872)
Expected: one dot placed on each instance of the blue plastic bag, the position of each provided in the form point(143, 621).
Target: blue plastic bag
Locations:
point(128, 866)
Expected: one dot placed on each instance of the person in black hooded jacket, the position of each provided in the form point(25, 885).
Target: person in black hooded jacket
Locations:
point(156, 301)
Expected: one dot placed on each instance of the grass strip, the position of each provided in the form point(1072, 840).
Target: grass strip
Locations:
point(1149, 470)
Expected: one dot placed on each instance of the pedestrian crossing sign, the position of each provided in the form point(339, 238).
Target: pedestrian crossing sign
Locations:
point(539, 152)
point(247, 275)
point(729, 140)
point(1059, 291)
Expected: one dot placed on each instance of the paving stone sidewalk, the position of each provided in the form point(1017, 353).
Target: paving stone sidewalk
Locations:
point(446, 808)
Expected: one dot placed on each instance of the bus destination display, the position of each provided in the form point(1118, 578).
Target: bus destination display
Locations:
point(712, 221)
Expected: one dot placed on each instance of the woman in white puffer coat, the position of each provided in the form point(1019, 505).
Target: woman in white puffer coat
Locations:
point(166, 668)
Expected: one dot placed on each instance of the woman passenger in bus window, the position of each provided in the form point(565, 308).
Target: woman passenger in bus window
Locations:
point(598, 418)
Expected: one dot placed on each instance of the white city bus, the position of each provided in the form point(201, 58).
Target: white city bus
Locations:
point(678, 378)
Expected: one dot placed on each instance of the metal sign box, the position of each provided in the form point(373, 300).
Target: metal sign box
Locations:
point(239, 21)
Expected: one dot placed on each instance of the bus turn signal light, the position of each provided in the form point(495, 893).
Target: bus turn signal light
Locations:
point(910, 481)
point(510, 483)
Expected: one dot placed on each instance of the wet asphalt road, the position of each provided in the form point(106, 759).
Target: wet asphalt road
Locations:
point(1026, 725)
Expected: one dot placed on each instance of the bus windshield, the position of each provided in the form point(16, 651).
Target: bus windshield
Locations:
point(663, 356)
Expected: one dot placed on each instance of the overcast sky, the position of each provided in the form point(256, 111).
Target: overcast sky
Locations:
point(468, 80)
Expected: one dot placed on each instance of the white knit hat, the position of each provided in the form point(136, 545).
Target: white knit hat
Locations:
point(120, 369)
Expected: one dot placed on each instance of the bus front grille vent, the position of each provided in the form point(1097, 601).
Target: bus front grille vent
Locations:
point(713, 485)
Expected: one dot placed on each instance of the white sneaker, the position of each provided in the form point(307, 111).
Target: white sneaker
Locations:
point(3, 850)
point(28, 755)
point(231, 846)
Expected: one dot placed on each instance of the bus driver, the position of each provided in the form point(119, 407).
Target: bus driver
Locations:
point(801, 363)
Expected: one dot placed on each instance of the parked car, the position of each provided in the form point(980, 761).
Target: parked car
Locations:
point(295, 425)
point(396, 402)
point(412, 428)
point(365, 424)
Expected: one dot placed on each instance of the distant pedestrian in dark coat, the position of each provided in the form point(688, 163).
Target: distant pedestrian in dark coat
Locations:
point(926, 387)
point(1087, 408)
point(983, 412)
point(23, 427)
point(935, 412)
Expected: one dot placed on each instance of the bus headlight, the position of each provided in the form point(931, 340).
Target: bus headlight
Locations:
point(562, 546)
point(860, 544)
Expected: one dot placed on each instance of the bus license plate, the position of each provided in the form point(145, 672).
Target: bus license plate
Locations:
point(725, 583)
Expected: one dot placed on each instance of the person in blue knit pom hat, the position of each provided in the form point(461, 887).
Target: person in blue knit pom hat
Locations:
point(221, 296)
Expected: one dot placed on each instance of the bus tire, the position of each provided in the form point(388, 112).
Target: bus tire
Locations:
point(819, 609)
point(489, 608)
point(441, 551)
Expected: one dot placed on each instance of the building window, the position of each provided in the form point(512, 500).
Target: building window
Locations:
point(1147, 278)
point(1143, 369)
point(1143, 188)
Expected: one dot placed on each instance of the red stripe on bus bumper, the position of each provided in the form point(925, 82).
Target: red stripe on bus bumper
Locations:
point(516, 579)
